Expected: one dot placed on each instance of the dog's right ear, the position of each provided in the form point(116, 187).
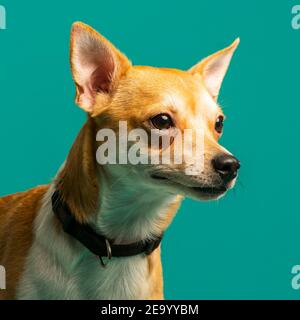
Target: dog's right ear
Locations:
point(96, 65)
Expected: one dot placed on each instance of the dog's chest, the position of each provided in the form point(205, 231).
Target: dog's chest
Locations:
point(59, 268)
point(119, 280)
point(46, 278)
point(122, 278)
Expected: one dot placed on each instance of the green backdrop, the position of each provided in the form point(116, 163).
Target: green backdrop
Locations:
point(242, 246)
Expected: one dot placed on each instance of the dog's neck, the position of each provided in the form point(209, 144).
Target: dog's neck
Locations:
point(130, 210)
point(115, 202)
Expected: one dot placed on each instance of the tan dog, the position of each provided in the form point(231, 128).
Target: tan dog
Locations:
point(124, 203)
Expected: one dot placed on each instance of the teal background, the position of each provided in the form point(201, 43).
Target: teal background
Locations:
point(241, 247)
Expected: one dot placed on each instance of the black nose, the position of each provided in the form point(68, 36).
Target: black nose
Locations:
point(226, 165)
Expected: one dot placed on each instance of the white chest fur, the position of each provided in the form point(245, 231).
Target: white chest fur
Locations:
point(60, 268)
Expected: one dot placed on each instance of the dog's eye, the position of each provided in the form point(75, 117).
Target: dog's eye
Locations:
point(162, 121)
point(219, 124)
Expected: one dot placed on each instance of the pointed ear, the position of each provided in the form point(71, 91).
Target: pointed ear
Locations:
point(214, 67)
point(96, 65)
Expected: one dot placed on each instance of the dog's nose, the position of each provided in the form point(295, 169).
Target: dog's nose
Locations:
point(227, 166)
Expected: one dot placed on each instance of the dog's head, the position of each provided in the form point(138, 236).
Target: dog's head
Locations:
point(161, 102)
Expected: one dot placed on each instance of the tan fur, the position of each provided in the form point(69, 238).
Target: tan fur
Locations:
point(78, 179)
point(17, 214)
point(154, 260)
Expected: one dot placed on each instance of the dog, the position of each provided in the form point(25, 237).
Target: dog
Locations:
point(95, 231)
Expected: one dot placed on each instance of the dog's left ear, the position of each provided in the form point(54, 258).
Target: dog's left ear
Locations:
point(213, 68)
point(96, 65)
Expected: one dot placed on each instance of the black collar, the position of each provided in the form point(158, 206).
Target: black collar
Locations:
point(96, 243)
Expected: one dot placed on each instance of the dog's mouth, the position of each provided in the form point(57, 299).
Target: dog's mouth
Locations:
point(205, 191)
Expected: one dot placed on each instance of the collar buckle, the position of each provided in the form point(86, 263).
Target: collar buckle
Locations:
point(109, 254)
